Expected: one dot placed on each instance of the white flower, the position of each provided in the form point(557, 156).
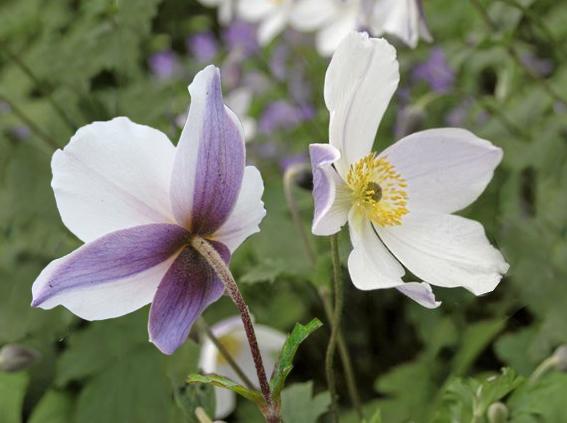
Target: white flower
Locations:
point(136, 200)
point(273, 16)
point(226, 8)
point(231, 334)
point(403, 18)
point(331, 19)
point(398, 203)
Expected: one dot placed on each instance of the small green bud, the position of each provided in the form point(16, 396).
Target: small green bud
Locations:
point(14, 358)
point(497, 413)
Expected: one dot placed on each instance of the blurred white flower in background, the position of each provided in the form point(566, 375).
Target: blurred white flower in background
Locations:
point(226, 9)
point(230, 333)
point(271, 15)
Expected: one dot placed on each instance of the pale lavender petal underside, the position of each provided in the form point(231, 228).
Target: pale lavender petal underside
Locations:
point(187, 289)
point(112, 257)
point(328, 215)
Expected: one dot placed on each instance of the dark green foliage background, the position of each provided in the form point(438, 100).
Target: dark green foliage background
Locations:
point(90, 57)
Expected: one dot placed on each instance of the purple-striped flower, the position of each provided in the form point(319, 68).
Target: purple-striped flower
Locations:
point(399, 203)
point(136, 201)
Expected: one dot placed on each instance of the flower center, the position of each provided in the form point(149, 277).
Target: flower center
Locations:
point(232, 345)
point(378, 190)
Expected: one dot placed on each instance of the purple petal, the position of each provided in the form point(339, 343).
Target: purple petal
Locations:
point(327, 218)
point(113, 257)
point(203, 46)
point(421, 293)
point(209, 163)
point(187, 289)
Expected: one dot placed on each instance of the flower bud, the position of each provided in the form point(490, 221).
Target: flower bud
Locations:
point(14, 358)
point(497, 413)
point(560, 358)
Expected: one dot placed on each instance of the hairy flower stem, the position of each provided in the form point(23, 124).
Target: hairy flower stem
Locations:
point(336, 324)
point(289, 181)
point(226, 355)
point(224, 274)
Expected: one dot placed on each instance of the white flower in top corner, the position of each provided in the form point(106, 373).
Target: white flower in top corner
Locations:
point(403, 18)
point(226, 9)
point(272, 16)
point(230, 332)
point(331, 19)
point(399, 203)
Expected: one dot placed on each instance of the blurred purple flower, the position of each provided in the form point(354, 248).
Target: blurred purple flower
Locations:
point(539, 66)
point(203, 46)
point(20, 132)
point(278, 61)
point(163, 64)
point(281, 114)
point(241, 36)
point(456, 117)
point(435, 71)
point(291, 159)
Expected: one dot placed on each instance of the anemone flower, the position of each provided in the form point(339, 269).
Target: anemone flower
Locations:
point(230, 333)
point(272, 15)
point(137, 202)
point(331, 19)
point(225, 9)
point(402, 18)
point(398, 203)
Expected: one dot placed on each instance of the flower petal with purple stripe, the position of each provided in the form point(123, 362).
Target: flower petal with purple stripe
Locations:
point(114, 260)
point(329, 214)
point(187, 289)
point(209, 162)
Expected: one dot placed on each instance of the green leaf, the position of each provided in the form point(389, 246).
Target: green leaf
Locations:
point(285, 362)
point(134, 389)
point(300, 406)
point(543, 401)
point(54, 407)
point(189, 397)
point(475, 339)
point(266, 271)
point(12, 390)
point(226, 383)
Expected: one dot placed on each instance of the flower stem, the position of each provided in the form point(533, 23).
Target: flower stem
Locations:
point(546, 365)
point(226, 355)
point(224, 274)
point(516, 58)
point(289, 180)
point(335, 326)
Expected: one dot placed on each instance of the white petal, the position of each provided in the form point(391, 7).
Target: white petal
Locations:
point(226, 11)
point(446, 250)
point(225, 403)
point(113, 175)
point(247, 213)
point(370, 264)
point(309, 15)
point(446, 169)
point(272, 25)
point(421, 293)
point(108, 300)
point(397, 17)
point(254, 10)
point(361, 79)
point(328, 38)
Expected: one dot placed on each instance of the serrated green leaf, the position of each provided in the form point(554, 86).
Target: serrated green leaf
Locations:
point(285, 361)
point(299, 405)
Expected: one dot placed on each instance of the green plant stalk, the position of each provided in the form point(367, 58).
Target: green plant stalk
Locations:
point(226, 355)
point(323, 293)
point(335, 326)
point(514, 55)
point(545, 366)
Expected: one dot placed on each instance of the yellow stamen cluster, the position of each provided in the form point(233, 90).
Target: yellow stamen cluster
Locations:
point(378, 191)
point(232, 345)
